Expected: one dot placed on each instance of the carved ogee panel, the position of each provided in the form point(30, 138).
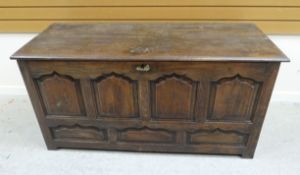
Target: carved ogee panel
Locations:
point(217, 136)
point(60, 95)
point(116, 96)
point(79, 133)
point(146, 135)
point(233, 99)
point(173, 97)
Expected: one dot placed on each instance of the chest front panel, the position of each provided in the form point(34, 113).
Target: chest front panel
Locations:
point(179, 106)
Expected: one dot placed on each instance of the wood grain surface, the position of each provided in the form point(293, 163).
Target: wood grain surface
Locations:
point(169, 42)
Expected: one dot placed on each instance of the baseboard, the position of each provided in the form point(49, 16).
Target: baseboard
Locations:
point(288, 96)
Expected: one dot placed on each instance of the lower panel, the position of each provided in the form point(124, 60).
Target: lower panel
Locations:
point(217, 136)
point(78, 133)
point(203, 149)
point(146, 135)
point(210, 138)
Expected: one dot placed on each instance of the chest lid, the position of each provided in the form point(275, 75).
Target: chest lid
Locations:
point(152, 42)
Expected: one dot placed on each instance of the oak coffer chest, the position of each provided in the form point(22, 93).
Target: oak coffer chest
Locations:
point(198, 88)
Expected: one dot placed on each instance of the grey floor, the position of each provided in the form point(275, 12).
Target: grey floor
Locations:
point(22, 150)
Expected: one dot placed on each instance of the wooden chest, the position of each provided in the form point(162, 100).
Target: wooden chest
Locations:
point(198, 88)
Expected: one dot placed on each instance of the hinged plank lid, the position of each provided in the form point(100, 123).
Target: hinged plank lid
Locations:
point(152, 41)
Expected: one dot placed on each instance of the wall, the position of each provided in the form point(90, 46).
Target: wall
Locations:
point(272, 16)
point(10, 78)
point(287, 87)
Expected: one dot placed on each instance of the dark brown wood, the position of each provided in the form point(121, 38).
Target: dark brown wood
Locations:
point(161, 105)
point(116, 96)
point(149, 42)
point(226, 103)
point(60, 94)
point(179, 92)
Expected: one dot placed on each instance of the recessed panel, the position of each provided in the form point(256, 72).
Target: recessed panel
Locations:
point(146, 135)
point(116, 96)
point(217, 136)
point(233, 99)
point(79, 133)
point(173, 97)
point(60, 94)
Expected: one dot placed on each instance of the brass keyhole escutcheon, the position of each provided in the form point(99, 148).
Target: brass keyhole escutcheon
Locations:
point(143, 68)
